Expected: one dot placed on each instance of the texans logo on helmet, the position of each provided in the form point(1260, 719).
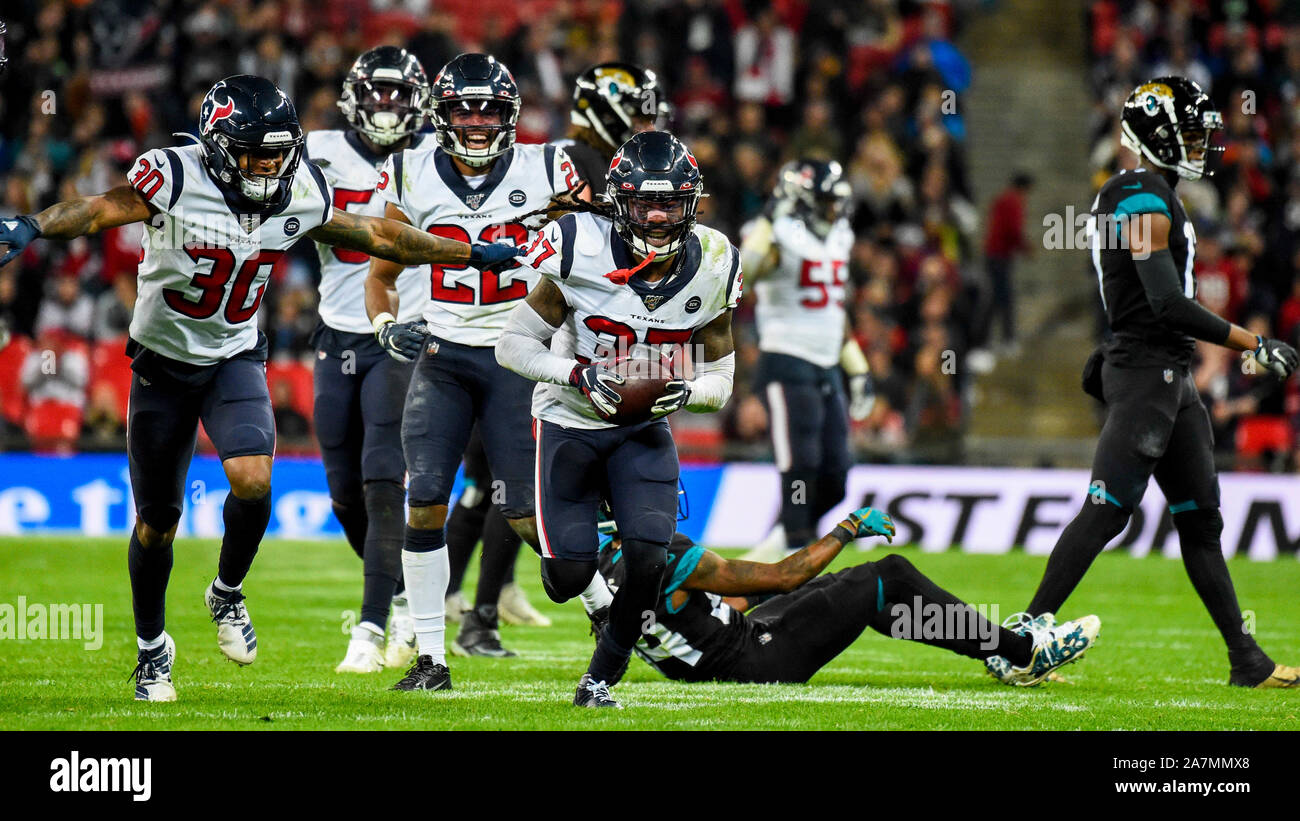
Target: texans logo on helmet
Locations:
point(219, 112)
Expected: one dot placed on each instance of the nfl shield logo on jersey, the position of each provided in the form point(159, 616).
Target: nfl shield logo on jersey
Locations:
point(474, 200)
point(652, 301)
point(1169, 376)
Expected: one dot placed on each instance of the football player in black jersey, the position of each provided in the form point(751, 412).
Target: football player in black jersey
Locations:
point(1143, 248)
point(611, 102)
point(800, 621)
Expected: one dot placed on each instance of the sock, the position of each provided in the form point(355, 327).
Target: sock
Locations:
point(608, 658)
point(1198, 536)
point(425, 566)
point(1081, 542)
point(352, 517)
point(149, 570)
point(368, 631)
point(223, 589)
point(596, 595)
point(500, 547)
point(798, 497)
point(385, 509)
point(639, 593)
point(151, 644)
point(464, 529)
point(509, 577)
point(246, 522)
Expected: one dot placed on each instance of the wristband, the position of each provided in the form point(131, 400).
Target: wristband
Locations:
point(382, 320)
point(842, 534)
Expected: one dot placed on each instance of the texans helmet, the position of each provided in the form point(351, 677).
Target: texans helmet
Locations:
point(247, 118)
point(816, 192)
point(475, 83)
point(1167, 120)
point(654, 172)
point(385, 95)
point(617, 100)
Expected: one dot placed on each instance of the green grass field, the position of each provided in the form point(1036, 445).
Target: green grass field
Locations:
point(1159, 664)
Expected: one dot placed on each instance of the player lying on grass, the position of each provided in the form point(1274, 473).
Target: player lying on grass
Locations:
point(751, 622)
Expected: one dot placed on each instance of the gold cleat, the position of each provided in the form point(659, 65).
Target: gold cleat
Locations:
point(1283, 678)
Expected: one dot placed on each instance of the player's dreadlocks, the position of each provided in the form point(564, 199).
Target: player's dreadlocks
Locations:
point(568, 203)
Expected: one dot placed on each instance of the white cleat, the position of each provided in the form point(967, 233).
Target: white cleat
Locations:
point(153, 673)
point(235, 634)
point(514, 608)
point(400, 650)
point(1055, 645)
point(364, 652)
point(455, 606)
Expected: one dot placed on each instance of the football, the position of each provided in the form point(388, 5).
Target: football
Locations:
point(645, 383)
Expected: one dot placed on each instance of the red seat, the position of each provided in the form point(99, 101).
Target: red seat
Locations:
point(52, 425)
point(109, 365)
point(1257, 434)
point(13, 400)
point(299, 377)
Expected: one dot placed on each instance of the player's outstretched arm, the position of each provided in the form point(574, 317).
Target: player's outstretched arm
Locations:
point(75, 218)
point(1148, 235)
point(391, 240)
point(735, 577)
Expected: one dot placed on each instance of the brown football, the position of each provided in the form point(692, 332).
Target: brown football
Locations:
point(645, 381)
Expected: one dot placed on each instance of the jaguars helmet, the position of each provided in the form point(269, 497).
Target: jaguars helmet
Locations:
point(1166, 121)
point(248, 116)
point(617, 100)
point(385, 95)
point(816, 192)
point(477, 82)
point(654, 171)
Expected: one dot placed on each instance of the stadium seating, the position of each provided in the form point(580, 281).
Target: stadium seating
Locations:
point(1259, 434)
point(53, 426)
point(13, 400)
point(110, 365)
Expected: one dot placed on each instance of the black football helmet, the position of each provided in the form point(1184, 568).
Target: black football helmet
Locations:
point(816, 192)
point(1166, 120)
point(4, 61)
point(247, 116)
point(475, 82)
point(616, 100)
point(654, 171)
point(385, 95)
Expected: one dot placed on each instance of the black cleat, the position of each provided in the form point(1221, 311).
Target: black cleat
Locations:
point(478, 634)
point(594, 694)
point(425, 675)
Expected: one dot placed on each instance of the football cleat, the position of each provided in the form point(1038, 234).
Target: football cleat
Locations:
point(153, 672)
point(1282, 677)
point(400, 650)
point(235, 634)
point(594, 694)
point(365, 654)
point(478, 634)
point(1054, 646)
point(455, 606)
point(516, 609)
point(425, 675)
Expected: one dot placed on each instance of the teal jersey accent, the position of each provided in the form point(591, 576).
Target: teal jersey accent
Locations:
point(1144, 203)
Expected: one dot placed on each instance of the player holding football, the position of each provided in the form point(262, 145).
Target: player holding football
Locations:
point(474, 183)
point(359, 388)
point(798, 256)
point(218, 216)
point(645, 280)
point(611, 103)
point(1142, 247)
point(800, 620)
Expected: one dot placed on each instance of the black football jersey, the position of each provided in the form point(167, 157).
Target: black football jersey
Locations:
point(1140, 339)
point(699, 641)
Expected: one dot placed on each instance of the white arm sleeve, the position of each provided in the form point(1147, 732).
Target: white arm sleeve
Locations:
point(711, 387)
point(522, 348)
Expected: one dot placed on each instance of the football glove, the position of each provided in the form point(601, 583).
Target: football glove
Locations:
point(17, 233)
point(488, 256)
point(1277, 356)
point(676, 394)
point(594, 382)
point(867, 521)
point(862, 396)
point(402, 340)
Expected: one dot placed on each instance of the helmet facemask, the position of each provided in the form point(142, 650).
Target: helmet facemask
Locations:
point(657, 223)
point(461, 140)
point(242, 161)
point(384, 110)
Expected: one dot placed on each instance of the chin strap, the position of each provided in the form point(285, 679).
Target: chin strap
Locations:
point(620, 276)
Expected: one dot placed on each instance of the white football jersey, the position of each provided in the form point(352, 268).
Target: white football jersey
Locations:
point(204, 267)
point(353, 172)
point(463, 304)
point(637, 319)
point(800, 309)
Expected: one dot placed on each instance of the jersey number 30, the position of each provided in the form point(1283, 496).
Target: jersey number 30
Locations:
point(212, 285)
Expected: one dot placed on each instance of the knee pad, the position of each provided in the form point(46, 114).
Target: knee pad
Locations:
point(1199, 528)
point(892, 567)
point(1106, 519)
point(385, 498)
point(565, 578)
point(161, 518)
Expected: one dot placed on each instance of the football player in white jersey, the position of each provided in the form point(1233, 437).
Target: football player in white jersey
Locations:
point(645, 280)
point(359, 388)
point(797, 259)
point(218, 216)
point(473, 183)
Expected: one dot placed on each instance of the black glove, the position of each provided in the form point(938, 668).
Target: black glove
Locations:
point(487, 256)
point(594, 381)
point(17, 233)
point(1274, 354)
point(402, 340)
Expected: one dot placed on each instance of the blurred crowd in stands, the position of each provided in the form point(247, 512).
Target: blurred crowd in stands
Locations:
point(1246, 56)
